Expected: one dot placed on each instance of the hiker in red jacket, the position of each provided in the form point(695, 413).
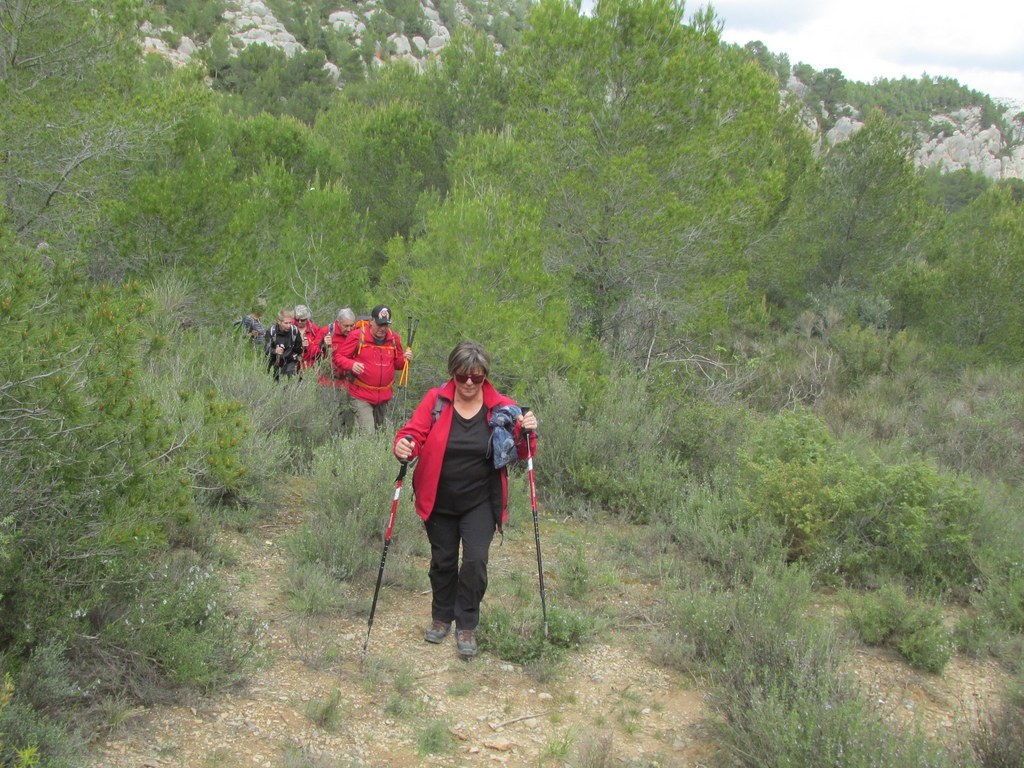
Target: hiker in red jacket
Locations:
point(464, 433)
point(311, 334)
point(372, 353)
point(333, 380)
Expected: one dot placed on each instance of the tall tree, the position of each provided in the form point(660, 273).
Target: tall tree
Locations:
point(393, 148)
point(867, 208)
point(477, 272)
point(656, 155)
point(979, 301)
point(66, 71)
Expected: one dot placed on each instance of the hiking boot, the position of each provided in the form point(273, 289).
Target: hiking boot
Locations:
point(465, 642)
point(437, 631)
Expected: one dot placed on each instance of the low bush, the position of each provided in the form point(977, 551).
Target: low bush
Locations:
point(350, 501)
point(29, 739)
point(996, 740)
point(518, 636)
point(967, 422)
point(435, 738)
point(312, 591)
point(611, 450)
point(914, 629)
point(1002, 597)
point(704, 533)
point(778, 688)
point(179, 621)
point(856, 516)
point(326, 713)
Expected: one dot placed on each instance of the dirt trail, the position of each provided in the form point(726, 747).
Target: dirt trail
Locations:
point(609, 698)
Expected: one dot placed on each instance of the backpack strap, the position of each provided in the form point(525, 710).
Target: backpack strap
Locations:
point(439, 405)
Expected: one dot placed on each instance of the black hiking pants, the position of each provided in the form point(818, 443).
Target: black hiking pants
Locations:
point(458, 590)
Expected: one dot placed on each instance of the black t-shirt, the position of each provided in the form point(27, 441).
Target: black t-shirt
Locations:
point(467, 472)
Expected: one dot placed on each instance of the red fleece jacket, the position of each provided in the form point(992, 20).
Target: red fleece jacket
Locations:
point(430, 440)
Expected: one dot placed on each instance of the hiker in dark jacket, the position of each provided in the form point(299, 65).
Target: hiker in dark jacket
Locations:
point(283, 345)
point(252, 324)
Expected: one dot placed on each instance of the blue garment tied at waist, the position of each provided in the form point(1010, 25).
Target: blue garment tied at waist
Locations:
point(503, 444)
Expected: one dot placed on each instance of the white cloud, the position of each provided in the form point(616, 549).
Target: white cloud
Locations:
point(981, 43)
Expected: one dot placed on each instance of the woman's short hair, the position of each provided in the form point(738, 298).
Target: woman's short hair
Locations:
point(285, 313)
point(468, 356)
point(345, 315)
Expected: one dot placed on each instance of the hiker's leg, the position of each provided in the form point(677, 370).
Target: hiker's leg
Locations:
point(363, 416)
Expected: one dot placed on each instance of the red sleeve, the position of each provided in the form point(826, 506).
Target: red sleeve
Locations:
point(342, 352)
point(419, 424)
point(312, 351)
point(319, 331)
point(399, 353)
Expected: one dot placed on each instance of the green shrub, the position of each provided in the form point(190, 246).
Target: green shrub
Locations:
point(704, 532)
point(865, 352)
point(976, 635)
point(966, 421)
point(611, 451)
point(573, 571)
point(105, 479)
point(313, 591)
point(997, 739)
point(177, 622)
point(924, 642)
point(706, 624)
point(705, 435)
point(518, 636)
point(435, 738)
point(698, 628)
point(222, 406)
point(1003, 596)
point(914, 629)
point(781, 695)
point(859, 517)
point(326, 713)
point(30, 736)
point(353, 487)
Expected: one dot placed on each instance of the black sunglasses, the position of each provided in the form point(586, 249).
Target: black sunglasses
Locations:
point(476, 378)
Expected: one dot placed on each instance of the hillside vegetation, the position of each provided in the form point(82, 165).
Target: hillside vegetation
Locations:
point(785, 372)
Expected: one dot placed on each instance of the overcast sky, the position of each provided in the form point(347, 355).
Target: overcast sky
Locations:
point(978, 42)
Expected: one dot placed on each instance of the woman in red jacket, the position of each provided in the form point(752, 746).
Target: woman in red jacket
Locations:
point(460, 494)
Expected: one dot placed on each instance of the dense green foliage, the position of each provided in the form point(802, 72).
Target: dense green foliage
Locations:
point(787, 370)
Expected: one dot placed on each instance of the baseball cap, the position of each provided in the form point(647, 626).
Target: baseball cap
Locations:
point(381, 315)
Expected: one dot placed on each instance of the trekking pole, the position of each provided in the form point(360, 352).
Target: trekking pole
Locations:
point(414, 323)
point(403, 379)
point(536, 528)
point(387, 543)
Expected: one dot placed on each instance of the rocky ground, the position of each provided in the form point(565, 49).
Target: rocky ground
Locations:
point(322, 702)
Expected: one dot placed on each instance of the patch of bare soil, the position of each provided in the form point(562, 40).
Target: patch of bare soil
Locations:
point(609, 697)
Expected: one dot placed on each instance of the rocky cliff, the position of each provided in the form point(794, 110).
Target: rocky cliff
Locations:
point(252, 22)
point(953, 141)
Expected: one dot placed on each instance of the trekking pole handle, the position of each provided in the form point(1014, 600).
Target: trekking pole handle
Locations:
point(525, 410)
point(404, 462)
